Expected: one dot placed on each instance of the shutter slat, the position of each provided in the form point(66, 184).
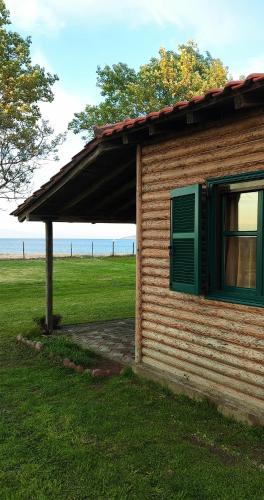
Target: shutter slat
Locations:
point(185, 239)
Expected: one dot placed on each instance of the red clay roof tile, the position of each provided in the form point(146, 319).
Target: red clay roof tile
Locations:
point(215, 92)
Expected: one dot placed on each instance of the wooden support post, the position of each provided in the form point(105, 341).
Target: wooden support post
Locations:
point(113, 249)
point(138, 340)
point(49, 276)
point(23, 250)
point(192, 118)
point(92, 249)
point(133, 251)
point(71, 249)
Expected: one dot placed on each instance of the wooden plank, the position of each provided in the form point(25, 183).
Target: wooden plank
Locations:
point(123, 207)
point(196, 316)
point(155, 253)
point(157, 234)
point(138, 339)
point(203, 383)
point(203, 307)
point(202, 148)
point(122, 218)
point(94, 187)
point(186, 350)
point(153, 207)
point(193, 117)
point(217, 342)
point(154, 197)
point(156, 224)
point(162, 244)
point(113, 195)
point(203, 330)
point(49, 276)
point(156, 214)
point(243, 101)
point(155, 263)
point(210, 372)
point(208, 161)
point(153, 271)
point(245, 314)
point(221, 131)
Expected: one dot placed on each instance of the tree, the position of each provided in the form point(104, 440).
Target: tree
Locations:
point(25, 138)
point(164, 80)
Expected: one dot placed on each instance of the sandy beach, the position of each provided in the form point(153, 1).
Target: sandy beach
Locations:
point(12, 256)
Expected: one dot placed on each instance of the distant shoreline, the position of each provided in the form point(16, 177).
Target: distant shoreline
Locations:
point(24, 238)
point(12, 256)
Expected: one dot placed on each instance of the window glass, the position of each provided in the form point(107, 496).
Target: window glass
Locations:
point(241, 211)
point(240, 261)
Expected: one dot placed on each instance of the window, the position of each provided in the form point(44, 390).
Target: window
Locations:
point(217, 239)
point(235, 236)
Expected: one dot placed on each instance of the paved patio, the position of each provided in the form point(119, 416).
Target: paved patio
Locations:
point(113, 339)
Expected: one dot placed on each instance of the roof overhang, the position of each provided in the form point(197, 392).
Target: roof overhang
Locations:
point(99, 184)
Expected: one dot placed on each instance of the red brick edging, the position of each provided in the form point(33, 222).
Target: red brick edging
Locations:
point(94, 372)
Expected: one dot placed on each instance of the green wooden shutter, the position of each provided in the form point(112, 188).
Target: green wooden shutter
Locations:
point(185, 249)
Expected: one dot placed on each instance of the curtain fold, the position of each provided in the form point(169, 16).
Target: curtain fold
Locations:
point(240, 261)
point(240, 251)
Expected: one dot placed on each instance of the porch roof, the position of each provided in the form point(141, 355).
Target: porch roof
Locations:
point(97, 185)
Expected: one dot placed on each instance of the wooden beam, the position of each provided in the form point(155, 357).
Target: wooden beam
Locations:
point(125, 139)
point(86, 218)
point(138, 333)
point(130, 137)
point(114, 194)
point(91, 189)
point(49, 276)
point(240, 102)
point(154, 129)
point(125, 206)
point(192, 117)
point(243, 101)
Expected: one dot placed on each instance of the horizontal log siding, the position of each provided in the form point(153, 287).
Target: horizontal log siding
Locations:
point(217, 347)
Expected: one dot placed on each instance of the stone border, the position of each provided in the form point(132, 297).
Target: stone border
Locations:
point(94, 372)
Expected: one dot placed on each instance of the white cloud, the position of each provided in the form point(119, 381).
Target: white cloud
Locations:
point(212, 22)
point(59, 113)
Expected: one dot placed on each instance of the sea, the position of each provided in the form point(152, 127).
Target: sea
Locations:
point(30, 247)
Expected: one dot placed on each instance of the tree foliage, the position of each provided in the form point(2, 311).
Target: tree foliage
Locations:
point(164, 80)
point(25, 139)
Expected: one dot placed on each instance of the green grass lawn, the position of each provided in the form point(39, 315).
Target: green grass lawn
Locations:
point(65, 436)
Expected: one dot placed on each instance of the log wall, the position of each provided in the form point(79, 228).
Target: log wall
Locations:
point(215, 346)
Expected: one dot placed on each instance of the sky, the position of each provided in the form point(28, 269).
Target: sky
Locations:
point(71, 38)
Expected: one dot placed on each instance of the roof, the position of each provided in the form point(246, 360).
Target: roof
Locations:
point(130, 123)
point(88, 148)
point(212, 98)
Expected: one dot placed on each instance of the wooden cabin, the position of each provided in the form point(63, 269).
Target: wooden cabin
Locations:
point(192, 178)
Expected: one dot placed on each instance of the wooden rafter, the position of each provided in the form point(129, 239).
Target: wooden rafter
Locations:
point(92, 189)
point(125, 206)
point(101, 148)
point(115, 194)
